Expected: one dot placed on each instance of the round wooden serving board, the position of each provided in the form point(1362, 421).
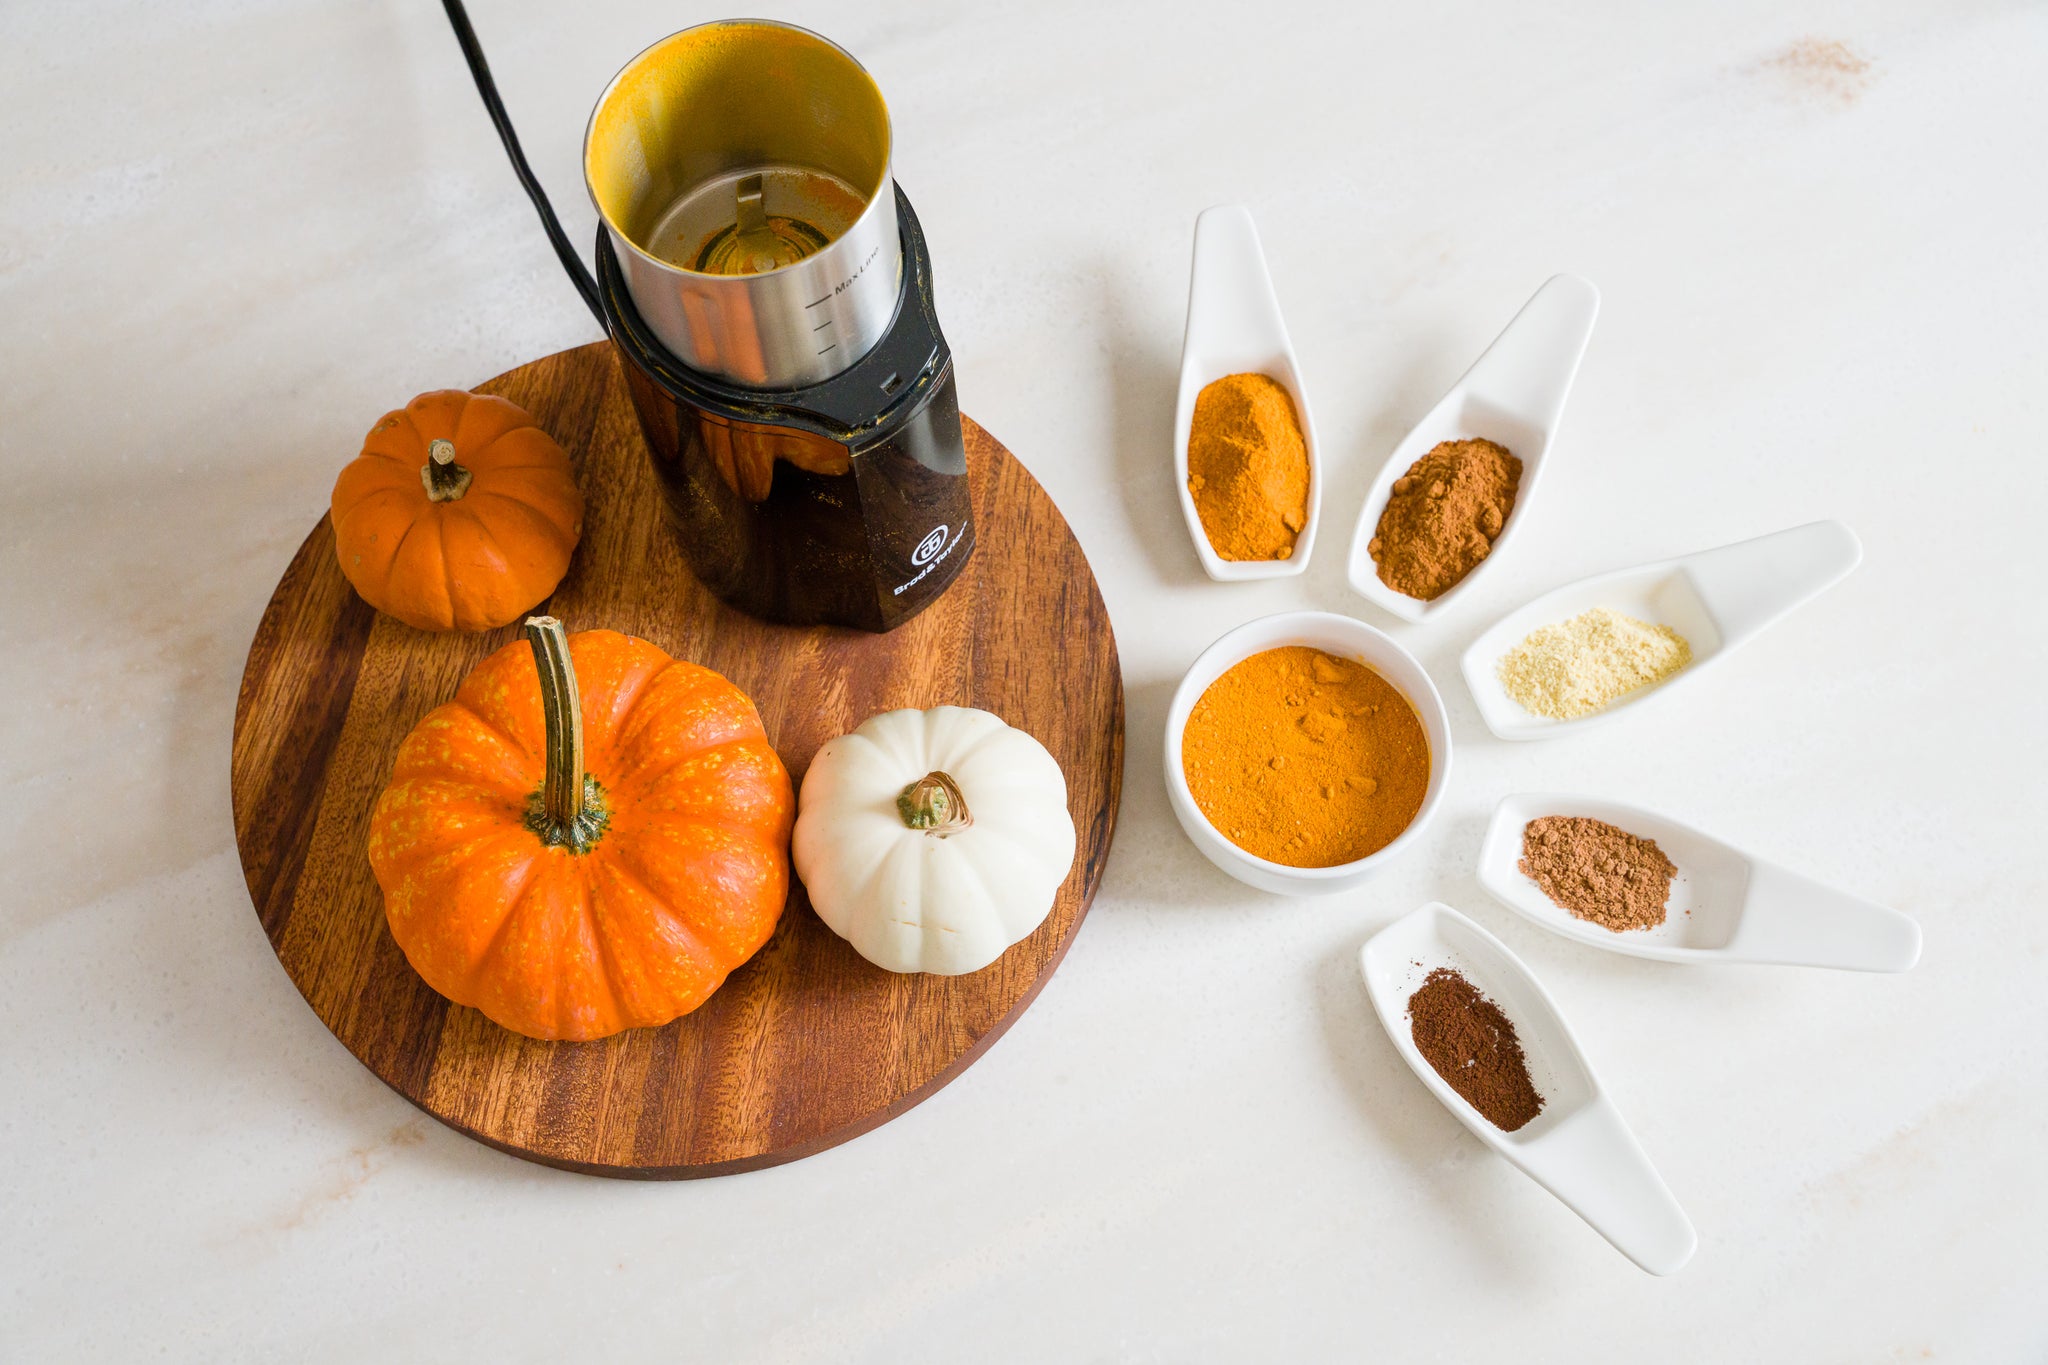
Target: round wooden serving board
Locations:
point(806, 1045)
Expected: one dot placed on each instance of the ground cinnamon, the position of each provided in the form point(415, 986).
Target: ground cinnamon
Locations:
point(1468, 1041)
point(1248, 468)
point(1303, 758)
point(1444, 515)
point(1598, 871)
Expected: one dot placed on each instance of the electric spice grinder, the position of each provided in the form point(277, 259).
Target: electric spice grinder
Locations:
point(769, 290)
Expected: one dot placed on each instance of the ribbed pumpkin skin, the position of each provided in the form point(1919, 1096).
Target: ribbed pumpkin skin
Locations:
point(686, 882)
point(475, 562)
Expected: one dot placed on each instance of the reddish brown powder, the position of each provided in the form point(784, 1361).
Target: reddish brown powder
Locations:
point(1443, 517)
point(1598, 871)
point(1472, 1045)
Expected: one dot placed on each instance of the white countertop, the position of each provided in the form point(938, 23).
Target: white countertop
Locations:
point(233, 234)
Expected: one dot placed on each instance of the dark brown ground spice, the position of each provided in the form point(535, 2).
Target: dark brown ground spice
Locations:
point(1598, 871)
point(1472, 1045)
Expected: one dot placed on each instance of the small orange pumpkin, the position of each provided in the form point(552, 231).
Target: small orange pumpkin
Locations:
point(572, 902)
point(460, 514)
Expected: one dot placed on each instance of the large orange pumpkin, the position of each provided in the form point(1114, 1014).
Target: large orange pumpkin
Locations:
point(460, 514)
point(588, 838)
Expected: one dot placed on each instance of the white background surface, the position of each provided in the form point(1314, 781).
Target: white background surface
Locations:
point(233, 234)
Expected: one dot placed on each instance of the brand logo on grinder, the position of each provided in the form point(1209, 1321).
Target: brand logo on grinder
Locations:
point(930, 546)
point(929, 554)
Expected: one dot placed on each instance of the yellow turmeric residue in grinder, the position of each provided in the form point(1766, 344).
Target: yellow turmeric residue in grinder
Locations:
point(1248, 468)
point(1306, 759)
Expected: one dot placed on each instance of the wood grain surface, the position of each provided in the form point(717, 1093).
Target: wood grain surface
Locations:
point(806, 1045)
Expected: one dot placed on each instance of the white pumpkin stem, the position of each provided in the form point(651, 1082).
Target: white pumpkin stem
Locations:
point(934, 804)
point(569, 811)
point(444, 480)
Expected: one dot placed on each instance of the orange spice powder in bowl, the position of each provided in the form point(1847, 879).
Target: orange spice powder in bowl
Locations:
point(1305, 758)
point(1346, 710)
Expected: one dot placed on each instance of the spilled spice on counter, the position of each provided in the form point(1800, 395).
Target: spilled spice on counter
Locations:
point(1599, 872)
point(1443, 516)
point(1574, 668)
point(1248, 467)
point(1303, 758)
point(1468, 1041)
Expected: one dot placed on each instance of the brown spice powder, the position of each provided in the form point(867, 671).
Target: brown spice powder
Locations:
point(1248, 468)
point(1443, 517)
point(1598, 871)
point(1468, 1041)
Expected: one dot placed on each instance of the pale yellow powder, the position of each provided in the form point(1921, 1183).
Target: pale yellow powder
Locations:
point(1583, 665)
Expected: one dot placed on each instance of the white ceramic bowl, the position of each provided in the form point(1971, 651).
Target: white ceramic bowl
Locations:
point(1514, 395)
point(1234, 327)
point(1717, 599)
point(1725, 905)
point(1347, 639)
point(1579, 1148)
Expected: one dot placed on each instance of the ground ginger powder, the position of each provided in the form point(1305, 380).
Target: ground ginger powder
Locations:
point(1303, 758)
point(1574, 668)
point(1248, 468)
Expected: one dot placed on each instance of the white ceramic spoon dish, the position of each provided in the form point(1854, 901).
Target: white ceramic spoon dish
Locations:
point(1717, 599)
point(1234, 327)
point(1514, 396)
point(1347, 639)
point(1578, 1148)
point(1725, 906)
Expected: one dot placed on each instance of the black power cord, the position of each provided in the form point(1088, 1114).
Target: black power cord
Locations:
point(473, 53)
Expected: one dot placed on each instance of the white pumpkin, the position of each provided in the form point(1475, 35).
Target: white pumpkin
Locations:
point(933, 840)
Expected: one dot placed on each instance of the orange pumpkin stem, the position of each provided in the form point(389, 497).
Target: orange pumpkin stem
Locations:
point(934, 804)
point(444, 480)
point(569, 809)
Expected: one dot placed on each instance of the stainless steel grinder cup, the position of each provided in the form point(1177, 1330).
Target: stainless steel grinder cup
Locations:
point(769, 291)
point(741, 169)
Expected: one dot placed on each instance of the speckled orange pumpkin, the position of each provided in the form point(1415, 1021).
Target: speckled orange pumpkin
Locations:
point(588, 838)
point(460, 514)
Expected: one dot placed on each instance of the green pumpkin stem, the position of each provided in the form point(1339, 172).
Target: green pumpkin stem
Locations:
point(934, 804)
point(569, 809)
point(444, 480)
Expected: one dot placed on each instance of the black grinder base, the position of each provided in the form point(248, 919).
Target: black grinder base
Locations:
point(843, 503)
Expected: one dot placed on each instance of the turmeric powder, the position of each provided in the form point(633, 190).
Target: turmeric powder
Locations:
point(1303, 758)
point(1248, 467)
